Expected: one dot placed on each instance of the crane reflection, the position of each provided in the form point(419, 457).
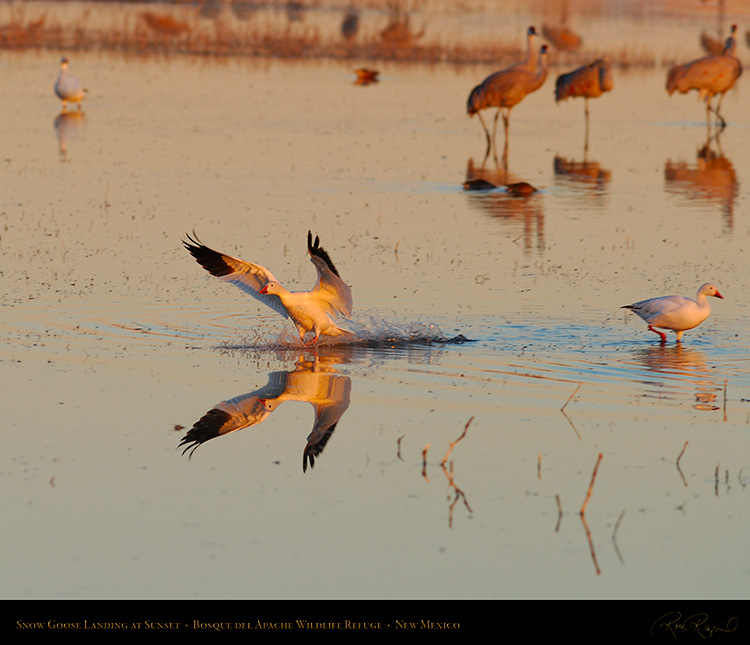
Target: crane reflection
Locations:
point(711, 179)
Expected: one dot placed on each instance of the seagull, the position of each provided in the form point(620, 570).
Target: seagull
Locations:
point(68, 87)
point(677, 313)
point(327, 392)
point(310, 311)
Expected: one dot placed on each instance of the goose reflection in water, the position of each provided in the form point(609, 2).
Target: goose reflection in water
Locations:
point(313, 381)
point(67, 126)
point(711, 179)
point(508, 199)
point(677, 365)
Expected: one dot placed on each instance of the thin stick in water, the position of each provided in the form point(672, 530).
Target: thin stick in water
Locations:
point(614, 536)
point(677, 463)
point(453, 444)
point(681, 453)
point(570, 398)
point(591, 485)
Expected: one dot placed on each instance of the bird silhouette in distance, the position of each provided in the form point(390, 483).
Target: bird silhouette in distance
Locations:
point(350, 24)
point(709, 76)
point(563, 37)
point(716, 46)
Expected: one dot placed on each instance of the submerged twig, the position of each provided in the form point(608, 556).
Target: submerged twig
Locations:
point(398, 445)
point(562, 410)
point(682, 452)
point(614, 536)
point(559, 513)
point(716, 478)
point(677, 463)
point(591, 544)
point(424, 462)
point(459, 494)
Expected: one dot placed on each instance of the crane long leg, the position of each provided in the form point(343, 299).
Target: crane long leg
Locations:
point(486, 132)
point(494, 127)
point(722, 122)
point(586, 116)
point(506, 123)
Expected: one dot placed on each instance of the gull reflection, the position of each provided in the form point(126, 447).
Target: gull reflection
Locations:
point(711, 179)
point(67, 126)
point(312, 381)
point(680, 365)
point(506, 198)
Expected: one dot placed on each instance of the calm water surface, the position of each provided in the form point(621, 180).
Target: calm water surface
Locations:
point(116, 342)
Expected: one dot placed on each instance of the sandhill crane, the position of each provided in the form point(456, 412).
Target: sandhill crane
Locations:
point(67, 87)
point(589, 81)
point(716, 46)
point(529, 64)
point(563, 37)
point(531, 61)
point(710, 75)
point(504, 90)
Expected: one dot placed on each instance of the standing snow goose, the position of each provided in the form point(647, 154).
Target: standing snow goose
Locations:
point(68, 87)
point(677, 313)
point(310, 311)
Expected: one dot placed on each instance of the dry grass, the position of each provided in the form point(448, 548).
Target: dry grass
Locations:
point(180, 30)
point(386, 30)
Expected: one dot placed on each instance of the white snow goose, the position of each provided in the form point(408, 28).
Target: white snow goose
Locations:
point(677, 313)
point(68, 87)
point(310, 311)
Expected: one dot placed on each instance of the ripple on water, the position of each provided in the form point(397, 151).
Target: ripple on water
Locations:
point(479, 349)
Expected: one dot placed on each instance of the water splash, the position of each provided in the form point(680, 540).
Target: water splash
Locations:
point(367, 331)
point(374, 330)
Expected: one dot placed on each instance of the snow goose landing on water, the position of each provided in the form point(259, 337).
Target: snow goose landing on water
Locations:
point(68, 87)
point(675, 312)
point(310, 311)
